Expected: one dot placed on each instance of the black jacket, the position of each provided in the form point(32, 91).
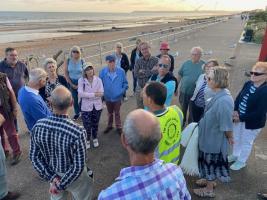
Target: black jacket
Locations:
point(61, 80)
point(133, 55)
point(125, 62)
point(167, 77)
point(255, 116)
point(172, 61)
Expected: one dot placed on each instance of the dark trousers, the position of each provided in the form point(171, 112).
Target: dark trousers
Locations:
point(184, 100)
point(195, 112)
point(114, 107)
point(8, 127)
point(90, 122)
point(134, 82)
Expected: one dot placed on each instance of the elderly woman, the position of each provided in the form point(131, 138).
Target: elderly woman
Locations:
point(215, 134)
point(202, 92)
point(250, 115)
point(53, 80)
point(73, 67)
point(122, 60)
point(90, 89)
point(8, 110)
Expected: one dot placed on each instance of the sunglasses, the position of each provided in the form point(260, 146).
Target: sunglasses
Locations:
point(165, 49)
point(209, 78)
point(75, 52)
point(256, 73)
point(163, 65)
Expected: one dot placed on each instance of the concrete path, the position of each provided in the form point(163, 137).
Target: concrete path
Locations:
point(110, 157)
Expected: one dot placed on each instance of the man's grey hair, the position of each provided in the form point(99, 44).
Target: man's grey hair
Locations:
point(198, 49)
point(61, 98)
point(36, 75)
point(49, 61)
point(138, 141)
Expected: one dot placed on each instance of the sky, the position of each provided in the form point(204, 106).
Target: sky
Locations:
point(129, 5)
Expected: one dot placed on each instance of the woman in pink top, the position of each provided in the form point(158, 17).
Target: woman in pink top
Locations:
point(90, 90)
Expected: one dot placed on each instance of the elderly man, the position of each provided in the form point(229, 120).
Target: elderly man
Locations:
point(188, 75)
point(115, 85)
point(147, 177)
point(164, 50)
point(170, 118)
point(58, 151)
point(4, 193)
point(165, 76)
point(15, 70)
point(143, 70)
point(32, 104)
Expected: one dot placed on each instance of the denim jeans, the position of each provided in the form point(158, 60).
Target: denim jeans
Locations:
point(134, 82)
point(74, 93)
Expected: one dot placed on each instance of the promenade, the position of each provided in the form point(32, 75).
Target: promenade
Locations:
point(222, 41)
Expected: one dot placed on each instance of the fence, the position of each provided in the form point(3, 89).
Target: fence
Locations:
point(95, 53)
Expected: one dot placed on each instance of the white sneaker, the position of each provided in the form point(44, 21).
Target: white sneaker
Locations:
point(237, 165)
point(95, 143)
point(88, 145)
point(232, 158)
point(125, 99)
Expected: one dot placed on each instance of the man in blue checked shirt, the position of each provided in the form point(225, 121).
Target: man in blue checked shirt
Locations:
point(147, 177)
point(58, 151)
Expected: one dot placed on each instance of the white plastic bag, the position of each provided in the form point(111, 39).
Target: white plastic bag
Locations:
point(189, 163)
point(187, 133)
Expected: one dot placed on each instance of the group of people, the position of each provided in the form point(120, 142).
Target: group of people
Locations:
point(58, 144)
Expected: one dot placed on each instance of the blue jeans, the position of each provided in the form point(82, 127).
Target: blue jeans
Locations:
point(74, 93)
point(3, 180)
point(134, 82)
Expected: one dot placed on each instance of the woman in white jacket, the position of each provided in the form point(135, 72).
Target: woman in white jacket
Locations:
point(202, 93)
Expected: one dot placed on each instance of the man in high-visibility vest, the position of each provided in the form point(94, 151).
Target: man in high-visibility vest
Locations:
point(170, 118)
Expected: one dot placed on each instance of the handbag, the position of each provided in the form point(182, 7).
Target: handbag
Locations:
point(189, 163)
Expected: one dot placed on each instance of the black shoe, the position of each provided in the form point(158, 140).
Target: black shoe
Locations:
point(11, 196)
point(16, 158)
point(108, 129)
point(76, 117)
point(262, 196)
point(119, 131)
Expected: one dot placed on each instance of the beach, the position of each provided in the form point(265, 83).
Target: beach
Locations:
point(221, 40)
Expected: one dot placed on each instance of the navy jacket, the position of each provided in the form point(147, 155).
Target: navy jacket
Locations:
point(125, 62)
point(133, 55)
point(255, 116)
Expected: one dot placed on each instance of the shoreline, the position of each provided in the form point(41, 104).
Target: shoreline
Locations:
point(47, 47)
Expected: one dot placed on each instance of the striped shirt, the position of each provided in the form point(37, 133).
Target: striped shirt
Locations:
point(242, 108)
point(58, 146)
point(152, 181)
point(200, 98)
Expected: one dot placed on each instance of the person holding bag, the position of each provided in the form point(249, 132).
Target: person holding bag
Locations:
point(215, 134)
point(90, 91)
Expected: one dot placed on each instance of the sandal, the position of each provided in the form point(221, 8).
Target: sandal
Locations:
point(202, 192)
point(203, 183)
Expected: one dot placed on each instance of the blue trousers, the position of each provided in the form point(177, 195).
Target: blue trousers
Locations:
point(3, 181)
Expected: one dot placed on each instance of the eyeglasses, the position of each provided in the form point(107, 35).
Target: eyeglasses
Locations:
point(256, 73)
point(75, 52)
point(165, 49)
point(163, 65)
point(119, 47)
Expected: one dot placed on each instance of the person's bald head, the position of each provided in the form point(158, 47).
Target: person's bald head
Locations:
point(61, 98)
point(142, 131)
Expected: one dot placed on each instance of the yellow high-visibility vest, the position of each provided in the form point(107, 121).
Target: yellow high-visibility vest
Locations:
point(168, 148)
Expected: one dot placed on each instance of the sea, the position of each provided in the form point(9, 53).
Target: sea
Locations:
point(28, 26)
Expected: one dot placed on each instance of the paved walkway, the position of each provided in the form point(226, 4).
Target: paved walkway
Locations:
point(110, 157)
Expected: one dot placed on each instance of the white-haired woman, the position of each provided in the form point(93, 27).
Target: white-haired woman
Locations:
point(122, 60)
point(250, 115)
point(90, 89)
point(53, 80)
point(73, 67)
point(215, 134)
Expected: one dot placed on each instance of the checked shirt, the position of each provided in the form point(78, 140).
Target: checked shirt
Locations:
point(58, 146)
point(154, 181)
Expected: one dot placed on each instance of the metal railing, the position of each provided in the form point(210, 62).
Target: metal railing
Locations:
point(97, 51)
